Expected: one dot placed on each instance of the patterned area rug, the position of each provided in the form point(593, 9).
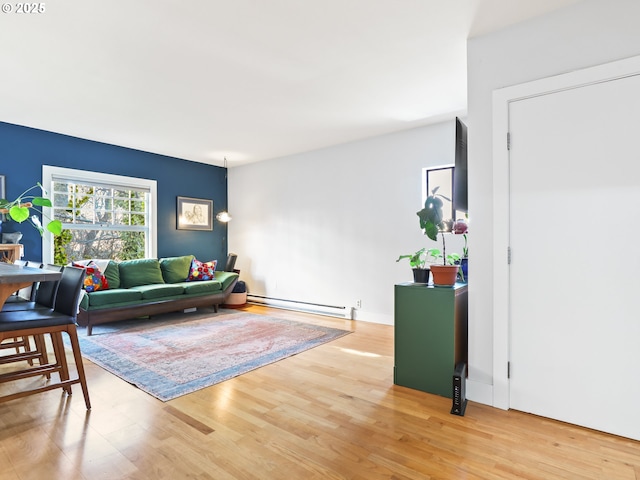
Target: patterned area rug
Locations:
point(171, 356)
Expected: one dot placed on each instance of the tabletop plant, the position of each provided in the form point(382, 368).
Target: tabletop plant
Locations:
point(418, 263)
point(23, 207)
point(417, 259)
point(449, 258)
point(433, 223)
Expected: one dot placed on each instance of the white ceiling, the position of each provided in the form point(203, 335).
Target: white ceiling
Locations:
point(244, 79)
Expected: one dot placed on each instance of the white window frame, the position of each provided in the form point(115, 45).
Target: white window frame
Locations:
point(425, 186)
point(84, 176)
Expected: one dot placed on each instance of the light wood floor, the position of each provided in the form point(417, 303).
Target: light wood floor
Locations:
point(329, 413)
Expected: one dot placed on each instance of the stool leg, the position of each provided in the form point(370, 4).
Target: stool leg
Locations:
point(61, 359)
point(41, 348)
point(77, 355)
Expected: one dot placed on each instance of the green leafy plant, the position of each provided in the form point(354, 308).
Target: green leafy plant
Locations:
point(465, 249)
point(432, 223)
point(449, 259)
point(431, 216)
point(461, 227)
point(417, 259)
point(21, 209)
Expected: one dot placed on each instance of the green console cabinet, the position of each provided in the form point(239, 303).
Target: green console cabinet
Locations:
point(431, 336)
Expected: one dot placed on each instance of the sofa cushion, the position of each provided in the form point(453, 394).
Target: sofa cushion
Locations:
point(155, 291)
point(211, 286)
point(94, 279)
point(111, 296)
point(175, 269)
point(202, 270)
point(143, 271)
point(112, 274)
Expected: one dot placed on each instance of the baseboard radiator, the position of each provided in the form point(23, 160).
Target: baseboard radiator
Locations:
point(317, 308)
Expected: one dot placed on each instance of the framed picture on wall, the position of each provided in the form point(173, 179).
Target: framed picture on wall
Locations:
point(194, 214)
point(2, 191)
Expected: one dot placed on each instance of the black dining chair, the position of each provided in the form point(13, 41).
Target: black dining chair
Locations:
point(43, 298)
point(53, 321)
point(30, 292)
point(231, 262)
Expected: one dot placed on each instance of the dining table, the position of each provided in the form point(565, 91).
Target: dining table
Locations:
point(14, 277)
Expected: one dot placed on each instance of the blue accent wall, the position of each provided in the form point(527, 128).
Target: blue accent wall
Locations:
point(24, 150)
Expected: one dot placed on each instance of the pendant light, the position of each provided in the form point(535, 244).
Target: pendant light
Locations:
point(224, 216)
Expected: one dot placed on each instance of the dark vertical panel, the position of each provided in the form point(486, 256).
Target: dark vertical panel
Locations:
point(460, 202)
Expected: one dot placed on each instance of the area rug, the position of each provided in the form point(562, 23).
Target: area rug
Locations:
point(171, 356)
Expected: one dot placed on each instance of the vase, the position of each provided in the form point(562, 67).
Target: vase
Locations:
point(464, 267)
point(421, 275)
point(444, 275)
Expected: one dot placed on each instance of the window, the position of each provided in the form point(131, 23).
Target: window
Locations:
point(103, 216)
point(442, 177)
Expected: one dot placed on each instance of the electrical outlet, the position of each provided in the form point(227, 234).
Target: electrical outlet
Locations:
point(358, 303)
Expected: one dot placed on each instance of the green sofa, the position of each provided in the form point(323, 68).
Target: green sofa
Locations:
point(145, 287)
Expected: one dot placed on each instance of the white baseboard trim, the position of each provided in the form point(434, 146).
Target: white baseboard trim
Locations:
point(372, 317)
point(319, 309)
point(299, 306)
point(479, 392)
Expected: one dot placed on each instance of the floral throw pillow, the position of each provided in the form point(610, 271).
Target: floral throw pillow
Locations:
point(202, 270)
point(94, 279)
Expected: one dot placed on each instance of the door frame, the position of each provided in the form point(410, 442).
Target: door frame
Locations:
point(502, 98)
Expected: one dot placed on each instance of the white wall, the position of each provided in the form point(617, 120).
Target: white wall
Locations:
point(589, 33)
point(327, 226)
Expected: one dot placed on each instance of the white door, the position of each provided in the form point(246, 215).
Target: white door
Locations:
point(575, 265)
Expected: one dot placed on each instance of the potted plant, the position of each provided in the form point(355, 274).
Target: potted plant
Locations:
point(24, 205)
point(417, 262)
point(446, 273)
point(432, 223)
point(461, 228)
